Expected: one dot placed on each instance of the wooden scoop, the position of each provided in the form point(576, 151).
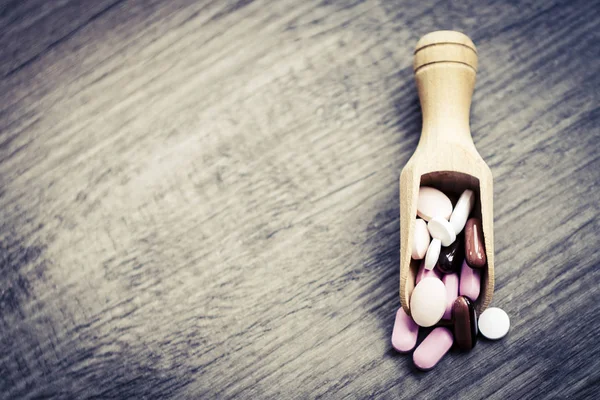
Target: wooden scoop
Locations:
point(445, 65)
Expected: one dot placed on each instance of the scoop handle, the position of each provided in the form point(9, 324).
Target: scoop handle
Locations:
point(445, 65)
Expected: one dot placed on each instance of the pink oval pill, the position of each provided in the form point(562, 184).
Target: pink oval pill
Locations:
point(424, 273)
point(404, 335)
point(470, 281)
point(451, 283)
point(433, 348)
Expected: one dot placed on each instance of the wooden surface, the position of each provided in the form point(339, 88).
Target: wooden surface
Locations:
point(200, 199)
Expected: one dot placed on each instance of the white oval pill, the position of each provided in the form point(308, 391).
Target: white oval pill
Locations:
point(433, 253)
point(421, 239)
point(433, 203)
point(461, 211)
point(428, 302)
point(441, 229)
point(493, 323)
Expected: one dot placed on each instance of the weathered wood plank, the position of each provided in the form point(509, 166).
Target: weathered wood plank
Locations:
point(200, 198)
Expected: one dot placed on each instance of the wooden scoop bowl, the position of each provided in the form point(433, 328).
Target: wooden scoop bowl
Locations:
point(445, 65)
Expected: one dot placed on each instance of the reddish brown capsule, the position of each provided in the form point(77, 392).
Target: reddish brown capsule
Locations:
point(465, 323)
point(474, 247)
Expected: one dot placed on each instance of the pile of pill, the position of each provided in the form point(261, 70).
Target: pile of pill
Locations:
point(448, 281)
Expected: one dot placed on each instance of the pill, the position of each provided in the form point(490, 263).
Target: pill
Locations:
point(465, 323)
point(451, 283)
point(428, 302)
point(470, 281)
point(433, 348)
point(404, 335)
point(474, 247)
point(424, 273)
point(451, 257)
point(441, 229)
point(494, 323)
point(433, 203)
point(433, 254)
point(461, 211)
point(420, 239)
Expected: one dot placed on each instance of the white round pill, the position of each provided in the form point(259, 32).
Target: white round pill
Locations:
point(439, 228)
point(494, 323)
point(433, 203)
point(433, 253)
point(421, 240)
point(428, 302)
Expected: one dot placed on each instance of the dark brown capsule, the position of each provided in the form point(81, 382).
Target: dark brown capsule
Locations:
point(465, 323)
point(474, 247)
point(451, 257)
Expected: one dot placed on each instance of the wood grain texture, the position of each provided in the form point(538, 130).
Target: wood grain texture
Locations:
point(200, 199)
